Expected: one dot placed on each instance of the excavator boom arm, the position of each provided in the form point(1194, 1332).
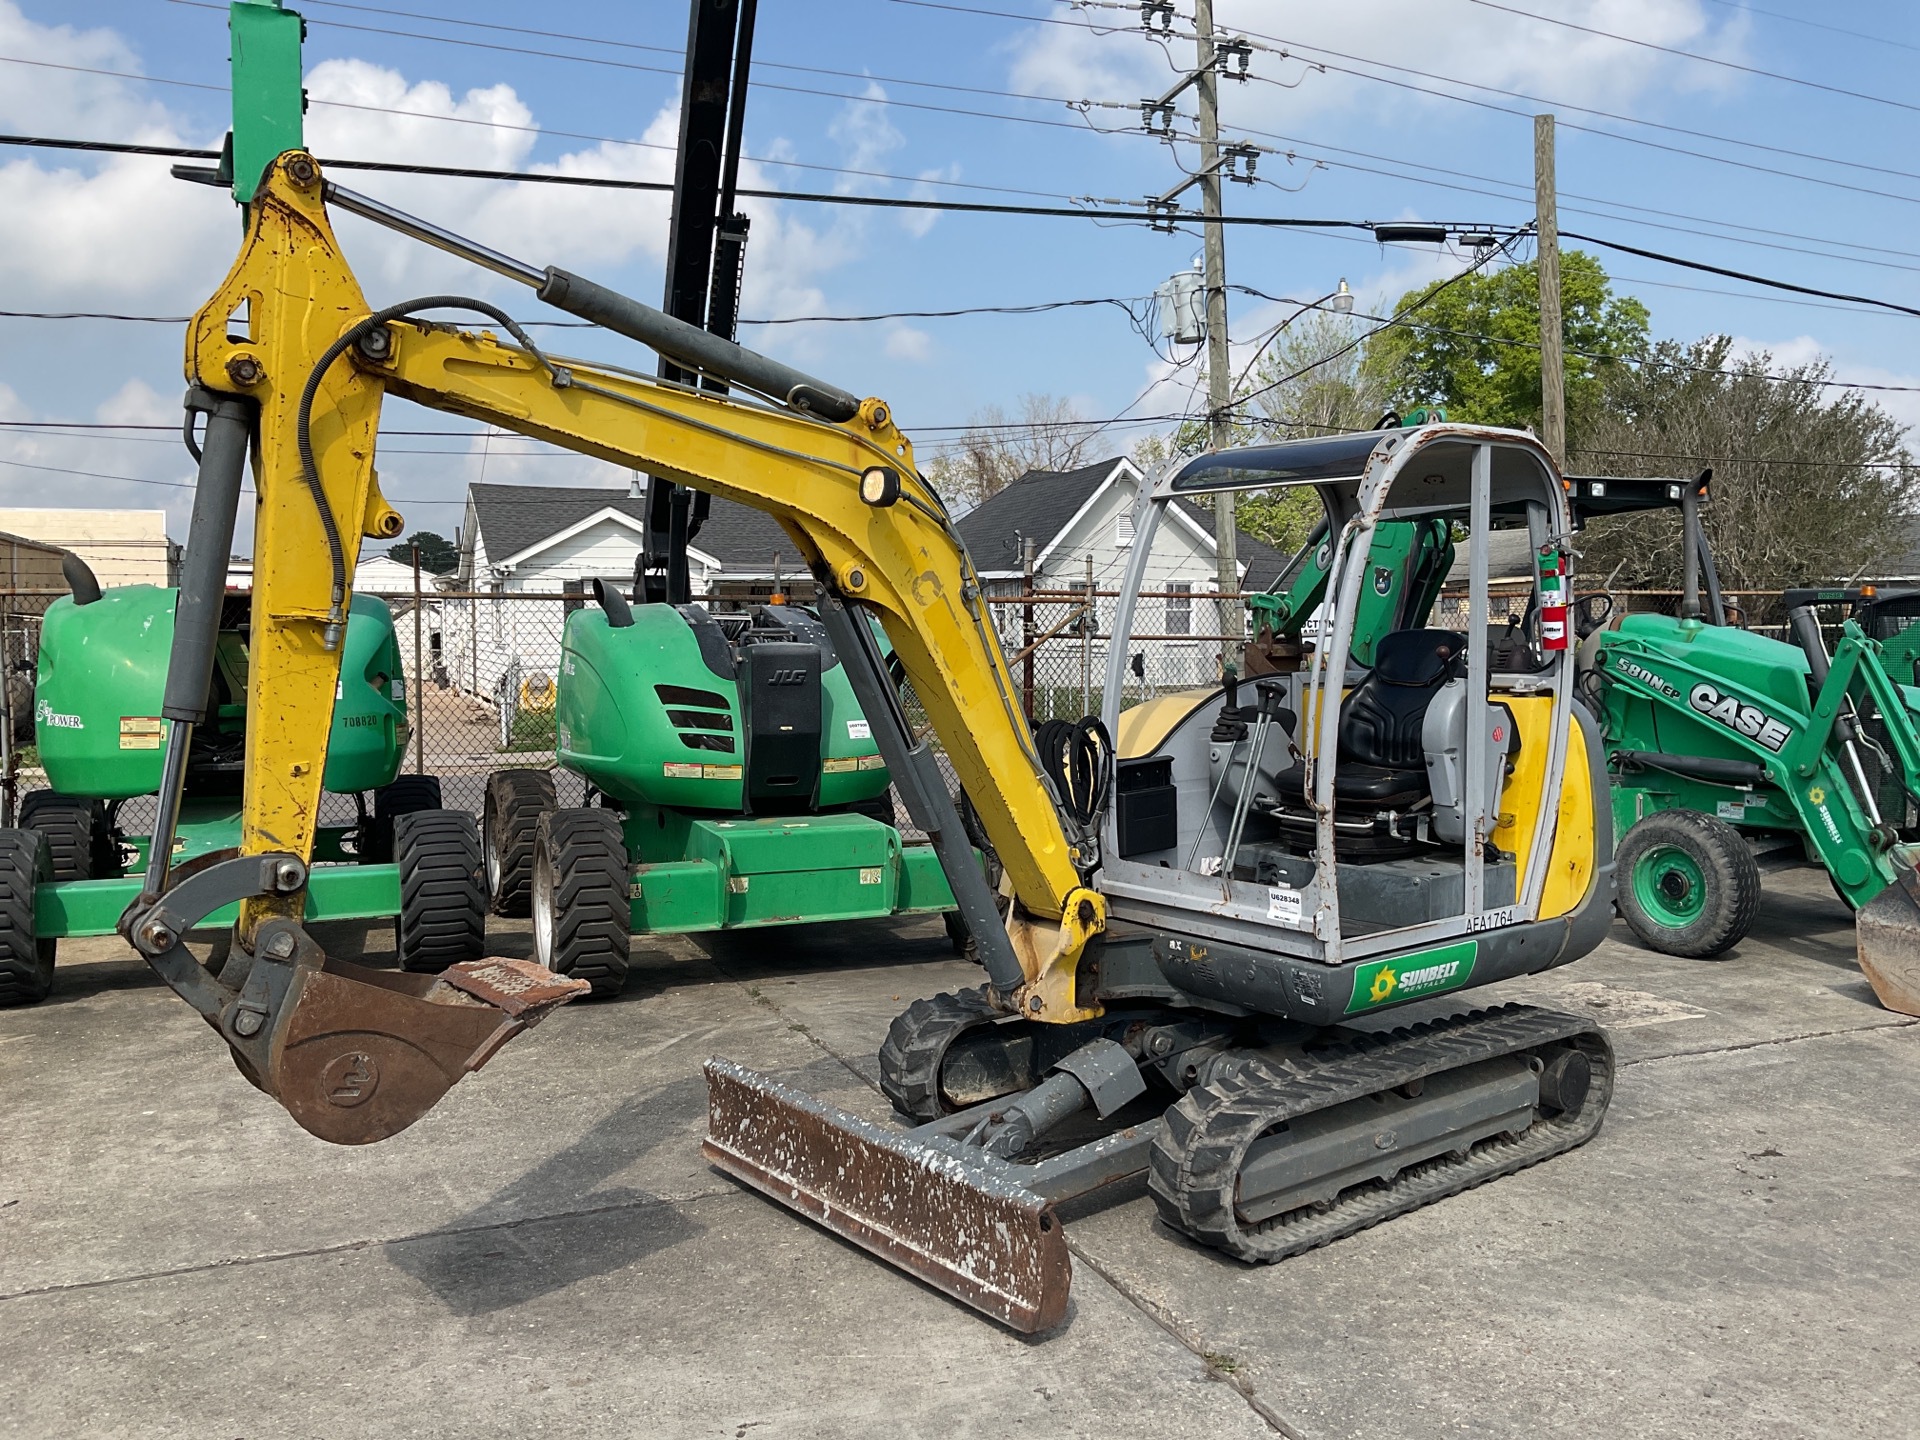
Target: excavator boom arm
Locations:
point(314, 344)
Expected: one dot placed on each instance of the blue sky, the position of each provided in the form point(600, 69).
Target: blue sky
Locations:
point(118, 235)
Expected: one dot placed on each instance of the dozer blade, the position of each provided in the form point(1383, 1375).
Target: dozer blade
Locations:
point(356, 1055)
point(981, 1237)
point(1887, 930)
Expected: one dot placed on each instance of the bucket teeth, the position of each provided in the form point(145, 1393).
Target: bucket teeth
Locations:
point(962, 1227)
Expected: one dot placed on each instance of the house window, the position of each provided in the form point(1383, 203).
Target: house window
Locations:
point(1123, 530)
point(1180, 608)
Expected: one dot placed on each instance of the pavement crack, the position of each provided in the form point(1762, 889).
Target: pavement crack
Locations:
point(347, 1247)
point(760, 998)
point(1217, 1366)
point(1901, 1024)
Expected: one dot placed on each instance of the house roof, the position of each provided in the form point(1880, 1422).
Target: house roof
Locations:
point(1042, 503)
point(514, 518)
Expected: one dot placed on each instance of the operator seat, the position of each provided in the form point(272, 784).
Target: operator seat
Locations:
point(1382, 764)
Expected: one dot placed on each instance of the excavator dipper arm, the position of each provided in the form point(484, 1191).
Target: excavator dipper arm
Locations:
point(289, 353)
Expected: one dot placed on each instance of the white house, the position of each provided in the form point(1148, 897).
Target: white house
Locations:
point(1080, 522)
point(541, 540)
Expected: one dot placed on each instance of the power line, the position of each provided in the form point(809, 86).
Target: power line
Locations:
point(526, 129)
point(1738, 274)
point(1695, 55)
point(1814, 24)
point(1557, 105)
point(885, 202)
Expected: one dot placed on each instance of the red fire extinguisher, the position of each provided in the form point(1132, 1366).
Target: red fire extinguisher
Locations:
point(1553, 599)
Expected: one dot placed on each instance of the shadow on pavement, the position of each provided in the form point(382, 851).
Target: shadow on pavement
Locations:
point(554, 1225)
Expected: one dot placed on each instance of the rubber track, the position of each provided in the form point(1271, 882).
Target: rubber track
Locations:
point(516, 799)
point(592, 897)
point(1194, 1164)
point(916, 1044)
point(443, 892)
point(70, 826)
point(26, 965)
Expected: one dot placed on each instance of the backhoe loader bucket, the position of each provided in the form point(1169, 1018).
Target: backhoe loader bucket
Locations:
point(1887, 930)
point(356, 1055)
point(982, 1238)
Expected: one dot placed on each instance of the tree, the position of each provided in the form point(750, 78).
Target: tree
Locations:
point(1479, 356)
point(1051, 434)
point(437, 553)
point(1807, 484)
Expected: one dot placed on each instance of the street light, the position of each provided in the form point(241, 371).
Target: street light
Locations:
point(1341, 301)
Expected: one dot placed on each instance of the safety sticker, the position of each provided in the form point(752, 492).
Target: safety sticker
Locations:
point(859, 730)
point(680, 770)
point(870, 876)
point(140, 732)
point(720, 772)
point(1412, 977)
point(1732, 809)
point(841, 766)
point(873, 762)
point(1283, 904)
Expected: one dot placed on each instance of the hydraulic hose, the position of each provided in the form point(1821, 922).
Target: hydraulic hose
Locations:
point(1077, 757)
point(310, 471)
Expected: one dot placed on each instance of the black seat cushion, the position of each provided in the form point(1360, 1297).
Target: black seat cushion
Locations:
point(1372, 787)
point(1381, 718)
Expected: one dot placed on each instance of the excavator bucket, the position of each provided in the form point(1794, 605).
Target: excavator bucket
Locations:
point(979, 1236)
point(1887, 930)
point(356, 1055)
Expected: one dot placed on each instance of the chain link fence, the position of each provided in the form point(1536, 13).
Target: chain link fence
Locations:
point(481, 670)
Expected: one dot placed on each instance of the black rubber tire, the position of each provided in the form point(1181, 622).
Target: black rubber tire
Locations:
point(582, 906)
point(509, 831)
point(1730, 883)
point(79, 839)
point(916, 1046)
point(407, 795)
point(443, 895)
point(26, 964)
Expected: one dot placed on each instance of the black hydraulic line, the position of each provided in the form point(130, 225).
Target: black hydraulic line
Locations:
point(1694, 767)
point(303, 432)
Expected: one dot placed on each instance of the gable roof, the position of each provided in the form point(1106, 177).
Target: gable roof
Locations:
point(1042, 504)
point(517, 518)
point(1037, 507)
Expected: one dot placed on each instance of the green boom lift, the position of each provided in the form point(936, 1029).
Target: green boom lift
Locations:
point(70, 868)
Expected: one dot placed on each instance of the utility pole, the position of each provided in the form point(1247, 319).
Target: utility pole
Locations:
point(1553, 366)
point(1219, 372)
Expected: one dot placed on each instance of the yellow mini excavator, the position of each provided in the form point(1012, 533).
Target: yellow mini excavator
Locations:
point(1196, 960)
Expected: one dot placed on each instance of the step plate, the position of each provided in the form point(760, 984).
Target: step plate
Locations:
point(980, 1237)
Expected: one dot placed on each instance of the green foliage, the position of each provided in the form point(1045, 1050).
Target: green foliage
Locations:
point(437, 553)
point(1481, 359)
point(1807, 484)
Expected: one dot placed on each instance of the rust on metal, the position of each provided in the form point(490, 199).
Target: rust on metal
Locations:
point(1887, 932)
point(359, 1054)
point(525, 990)
point(977, 1235)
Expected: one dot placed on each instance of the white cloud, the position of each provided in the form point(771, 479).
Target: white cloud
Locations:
point(866, 136)
point(904, 342)
point(1490, 47)
point(918, 223)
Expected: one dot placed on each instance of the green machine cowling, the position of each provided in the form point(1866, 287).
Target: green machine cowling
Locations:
point(103, 666)
point(100, 676)
point(738, 785)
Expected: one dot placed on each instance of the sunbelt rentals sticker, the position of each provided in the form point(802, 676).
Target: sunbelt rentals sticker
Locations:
point(1412, 977)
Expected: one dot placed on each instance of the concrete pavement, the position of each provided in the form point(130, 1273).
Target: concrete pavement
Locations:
point(547, 1250)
